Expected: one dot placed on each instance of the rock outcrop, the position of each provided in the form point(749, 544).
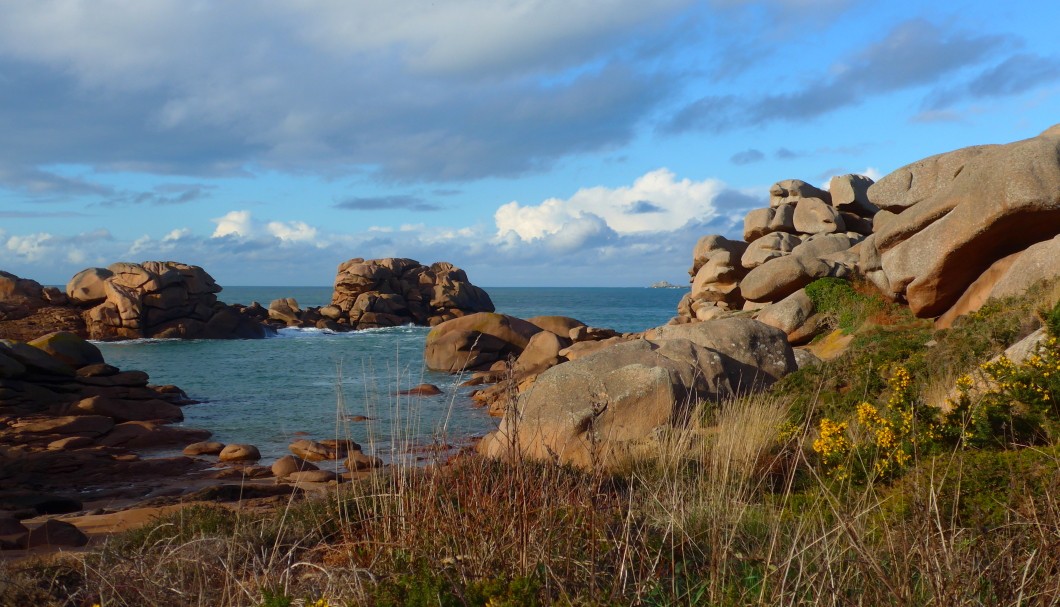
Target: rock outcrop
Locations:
point(477, 341)
point(28, 310)
point(162, 299)
point(942, 234)
point(959, 214)
point(387, 292)
point(68, 420)
point(805, 234)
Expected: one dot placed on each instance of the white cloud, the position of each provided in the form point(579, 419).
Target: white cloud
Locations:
point(292, 231)
point(31, 247)
point(76, 256)
point(234, 223)
point(141, 244)
point(656, 201)
point(176, 235)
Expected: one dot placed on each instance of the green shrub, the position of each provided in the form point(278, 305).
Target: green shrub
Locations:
point(980, 488)
point(837, 298)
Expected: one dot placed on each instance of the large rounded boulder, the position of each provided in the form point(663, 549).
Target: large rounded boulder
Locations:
point(476, 341)
point(963, 211)
point(596, 409)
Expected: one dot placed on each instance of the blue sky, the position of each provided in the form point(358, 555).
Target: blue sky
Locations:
point(531, 143)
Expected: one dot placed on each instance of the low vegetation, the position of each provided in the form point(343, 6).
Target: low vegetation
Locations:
point(912, 470)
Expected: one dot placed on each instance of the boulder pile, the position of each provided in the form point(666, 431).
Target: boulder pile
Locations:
point(68, 422)
point(510, 352)
point(942, 235)
point(161, 299)
point(801, 236)
point(596, 410)
point(385, 293)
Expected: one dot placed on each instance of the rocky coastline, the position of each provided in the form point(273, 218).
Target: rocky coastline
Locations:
point(78, 435)
point(940, 236)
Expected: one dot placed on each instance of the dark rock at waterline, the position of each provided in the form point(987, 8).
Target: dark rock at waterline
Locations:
point(422, 390)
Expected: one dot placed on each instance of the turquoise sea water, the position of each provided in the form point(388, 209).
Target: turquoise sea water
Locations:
point(271, 392)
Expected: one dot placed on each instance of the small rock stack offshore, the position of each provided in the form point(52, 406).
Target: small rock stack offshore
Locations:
point(800, 237)
point(388, 292)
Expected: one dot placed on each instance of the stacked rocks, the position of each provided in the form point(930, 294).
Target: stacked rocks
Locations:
point(942, 234)
point(163, 299)
point(800, 237)
point(386, 293)
point(510, 352)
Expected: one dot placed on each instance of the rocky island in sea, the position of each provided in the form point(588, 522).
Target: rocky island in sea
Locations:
point(863, 384)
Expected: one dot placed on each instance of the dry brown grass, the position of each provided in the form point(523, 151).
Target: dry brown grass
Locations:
point(728, 512)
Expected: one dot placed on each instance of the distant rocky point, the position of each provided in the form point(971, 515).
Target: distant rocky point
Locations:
point(662, 284)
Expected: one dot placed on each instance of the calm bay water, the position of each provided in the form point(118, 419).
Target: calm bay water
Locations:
point(306, 383)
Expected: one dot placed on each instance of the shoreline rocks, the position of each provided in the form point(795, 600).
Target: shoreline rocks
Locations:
point(156, 299)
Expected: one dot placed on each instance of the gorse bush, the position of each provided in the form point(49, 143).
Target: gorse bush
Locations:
point(1005, 403)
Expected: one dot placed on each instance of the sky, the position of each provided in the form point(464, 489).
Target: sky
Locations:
point(532, 143)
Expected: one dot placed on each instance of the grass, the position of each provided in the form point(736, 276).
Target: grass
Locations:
point(734, 509)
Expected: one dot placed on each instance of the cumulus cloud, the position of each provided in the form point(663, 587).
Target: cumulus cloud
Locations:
point(292, 231)
point(31, 247)
point(177, 234)
point(241, 225)
point(48, 249)
point(234, 223)
point(656, 201)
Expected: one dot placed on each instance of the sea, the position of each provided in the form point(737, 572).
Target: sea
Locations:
point(309, 383)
